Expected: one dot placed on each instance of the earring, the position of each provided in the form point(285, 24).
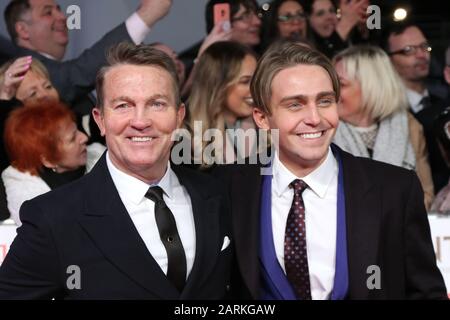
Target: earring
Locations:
point(54, 169)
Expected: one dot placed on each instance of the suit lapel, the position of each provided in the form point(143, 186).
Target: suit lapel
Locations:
point(110, 227)
point(363, 215)
point(246, 195)
point(206, 212)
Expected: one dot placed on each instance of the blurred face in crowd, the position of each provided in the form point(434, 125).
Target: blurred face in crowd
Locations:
point(349, 106)
point(173, 55)
point(323, 19)
point(239, 101)
point(447, 74)
point(138, 118)
point(72, 144)
point(36, 88)
point(303, 105)
point(44, 29)
point(291, 20)
point(246, 26)
point(413, 63)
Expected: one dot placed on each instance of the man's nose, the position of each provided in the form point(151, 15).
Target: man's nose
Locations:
point(313, 116)
point(141, 118)
point(420, 53)
point(59, 14)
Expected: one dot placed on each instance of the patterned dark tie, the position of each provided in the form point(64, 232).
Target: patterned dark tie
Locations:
point(295, 254)
point(176, 258)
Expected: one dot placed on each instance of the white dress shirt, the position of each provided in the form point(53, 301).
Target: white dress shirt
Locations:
point(141, 210)
point(136, 28)
point(415, 99)
point(320, 201)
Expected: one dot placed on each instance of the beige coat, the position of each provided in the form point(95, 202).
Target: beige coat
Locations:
point(423, 170)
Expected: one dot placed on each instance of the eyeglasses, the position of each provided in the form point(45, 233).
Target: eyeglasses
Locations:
point(323, 12)
point(299, 16)
point(247, 16)
point(411, 50)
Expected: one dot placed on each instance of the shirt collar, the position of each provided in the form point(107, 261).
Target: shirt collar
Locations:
point(47, 56)
point(124, 183)
point(318, 181)
point(415, 99)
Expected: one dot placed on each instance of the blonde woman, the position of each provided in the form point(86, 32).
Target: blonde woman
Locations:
point(220, 99)
point(373, 108)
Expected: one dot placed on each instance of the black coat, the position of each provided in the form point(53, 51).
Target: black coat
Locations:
point(386, 225)
point(86, 224)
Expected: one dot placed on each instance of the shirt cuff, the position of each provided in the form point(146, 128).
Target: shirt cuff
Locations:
point(137, 29)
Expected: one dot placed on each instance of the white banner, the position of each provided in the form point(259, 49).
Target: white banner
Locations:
point(7, 235)
point(440, 233)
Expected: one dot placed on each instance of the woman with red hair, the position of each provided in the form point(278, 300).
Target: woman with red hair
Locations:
point(46, 151)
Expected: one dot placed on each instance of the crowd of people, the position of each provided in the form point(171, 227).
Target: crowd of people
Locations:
point(82, 172)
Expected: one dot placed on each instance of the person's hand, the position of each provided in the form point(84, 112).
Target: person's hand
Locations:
point(217, 34)
point(151, 11)
point(13, 77)
point(354, 11)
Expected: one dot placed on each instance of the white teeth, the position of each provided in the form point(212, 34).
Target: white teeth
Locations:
point(311, 135)
point(141, 139)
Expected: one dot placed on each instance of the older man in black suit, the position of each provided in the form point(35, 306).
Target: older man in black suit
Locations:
point(135, 227)
point(319, 223)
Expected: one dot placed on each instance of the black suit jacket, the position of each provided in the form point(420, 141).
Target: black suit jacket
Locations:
point(74, 79)
point(85, 224)
point(386, 224)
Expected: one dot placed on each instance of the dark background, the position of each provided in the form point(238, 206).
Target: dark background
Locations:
point(431, 15)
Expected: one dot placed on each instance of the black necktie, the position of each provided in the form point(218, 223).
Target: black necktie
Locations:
point(295, 253)
point(176, 264)
point(425, 102)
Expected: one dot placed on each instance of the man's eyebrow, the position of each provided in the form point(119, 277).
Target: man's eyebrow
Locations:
point(48, 6)
point(326, 94)
point(129, 99)
point(294, 97)
point(305, 97)
point(158, 96)
point(121, 98)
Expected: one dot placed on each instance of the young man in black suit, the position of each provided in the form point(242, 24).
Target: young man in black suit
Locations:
point(319, 223)
point(135, 227)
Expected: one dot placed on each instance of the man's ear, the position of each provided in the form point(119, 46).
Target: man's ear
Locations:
point(22, 30)
point(97, 113)
point(261, 118)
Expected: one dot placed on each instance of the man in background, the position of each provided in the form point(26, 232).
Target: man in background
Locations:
point(410, 54)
